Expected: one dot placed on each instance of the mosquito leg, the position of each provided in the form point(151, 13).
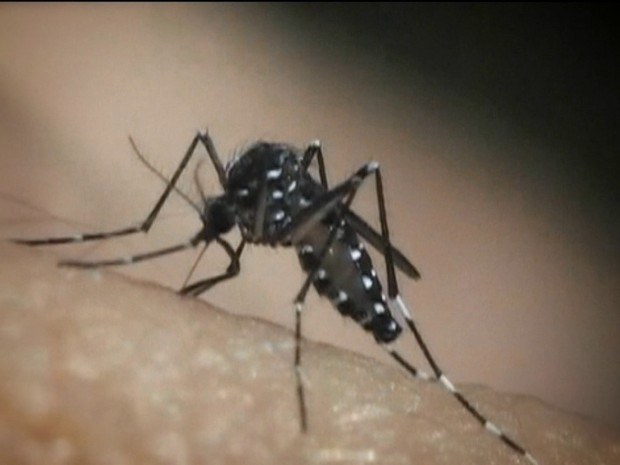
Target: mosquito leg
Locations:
point(206, 140)
point(157, 173)
point(359, 224)
point(145, 225)
point(132, 258)
point(314, 149)
point(325, 205)
point(203, 196)
point(298, 306)
point(197, 288)
point(397, 304)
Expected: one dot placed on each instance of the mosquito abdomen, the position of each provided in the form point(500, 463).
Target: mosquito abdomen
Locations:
point(347, 277)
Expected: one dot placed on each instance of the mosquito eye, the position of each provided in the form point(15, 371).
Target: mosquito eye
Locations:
point(221, 218)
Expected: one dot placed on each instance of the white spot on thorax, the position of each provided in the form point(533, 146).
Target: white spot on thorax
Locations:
point(274, 174)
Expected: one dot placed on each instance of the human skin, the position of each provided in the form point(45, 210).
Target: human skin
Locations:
point(96, 368)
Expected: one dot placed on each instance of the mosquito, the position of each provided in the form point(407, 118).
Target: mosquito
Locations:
point(270, 195)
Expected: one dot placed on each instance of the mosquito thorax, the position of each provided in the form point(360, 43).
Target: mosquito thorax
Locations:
point(269, 186)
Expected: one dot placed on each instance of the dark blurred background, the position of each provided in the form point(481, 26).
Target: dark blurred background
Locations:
point(547, 72)
point(495, 125)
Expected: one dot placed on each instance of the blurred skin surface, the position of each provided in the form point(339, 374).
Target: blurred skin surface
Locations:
point(95, 369)
point(520, 284)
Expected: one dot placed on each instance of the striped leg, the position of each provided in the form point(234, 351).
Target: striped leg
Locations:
point(202, 137)
point(317, 212)
point(132, 258)
point(361, 227)
point(397, 305)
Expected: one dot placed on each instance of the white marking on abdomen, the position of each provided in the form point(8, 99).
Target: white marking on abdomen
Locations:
point(355, 254)
point(342, 297)
point(379, 308)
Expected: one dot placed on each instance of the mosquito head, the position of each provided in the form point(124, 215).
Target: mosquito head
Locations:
point(218, 217)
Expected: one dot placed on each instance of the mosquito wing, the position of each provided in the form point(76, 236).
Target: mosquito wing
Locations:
point(376, 240)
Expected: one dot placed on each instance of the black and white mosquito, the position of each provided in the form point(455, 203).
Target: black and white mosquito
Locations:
point(270, 195)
